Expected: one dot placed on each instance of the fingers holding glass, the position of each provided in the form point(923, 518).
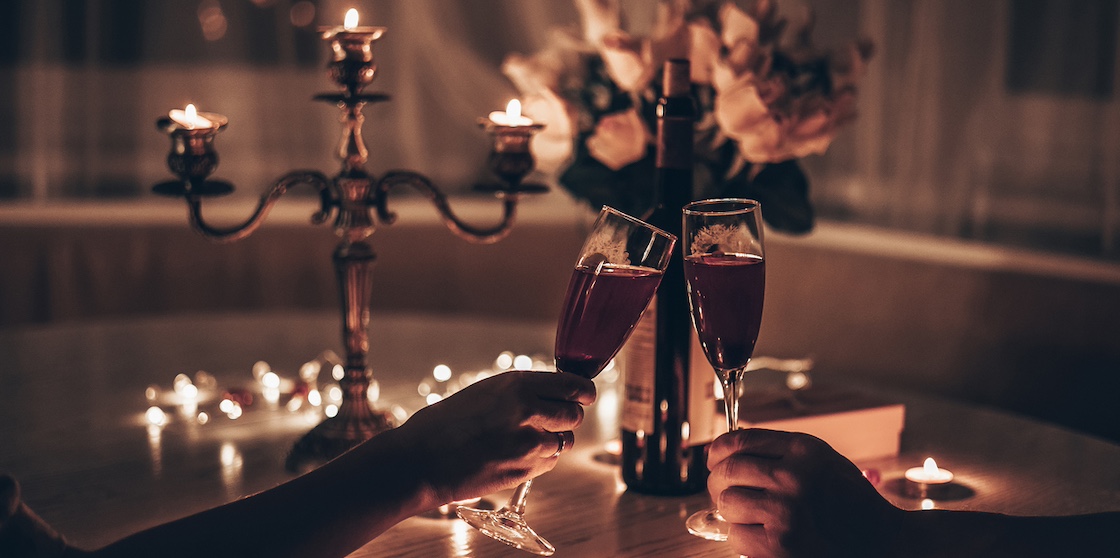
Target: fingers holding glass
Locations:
point(615, 276)
point(725, 273)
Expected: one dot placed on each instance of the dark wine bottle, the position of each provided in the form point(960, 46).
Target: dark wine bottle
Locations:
point(668, 412)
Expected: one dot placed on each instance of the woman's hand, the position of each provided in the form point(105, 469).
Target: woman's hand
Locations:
point(791, 494)
point(497, 432)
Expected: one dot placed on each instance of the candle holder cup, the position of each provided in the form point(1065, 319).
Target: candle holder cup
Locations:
point(352, 196)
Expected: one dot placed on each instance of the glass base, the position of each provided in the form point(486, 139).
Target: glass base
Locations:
point(708, 524)
point(508, 527)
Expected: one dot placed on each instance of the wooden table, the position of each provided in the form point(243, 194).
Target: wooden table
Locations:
point(72, 430)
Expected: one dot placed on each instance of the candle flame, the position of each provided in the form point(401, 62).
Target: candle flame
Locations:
point(513, 110)
point(190, 112)
point(351, 20)
point(930, 467)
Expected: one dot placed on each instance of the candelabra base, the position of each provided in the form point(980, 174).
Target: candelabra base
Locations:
point(336, 435)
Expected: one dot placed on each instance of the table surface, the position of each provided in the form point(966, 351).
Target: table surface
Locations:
point(73, 431)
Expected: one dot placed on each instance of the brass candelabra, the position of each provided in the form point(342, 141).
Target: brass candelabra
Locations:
point(351, 197)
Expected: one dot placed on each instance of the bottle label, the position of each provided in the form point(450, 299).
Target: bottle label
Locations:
point(637, 374)
point(638, 384)
point(702, 405)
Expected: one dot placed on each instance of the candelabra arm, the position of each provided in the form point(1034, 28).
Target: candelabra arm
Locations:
point(471, 233)
point(234, 233)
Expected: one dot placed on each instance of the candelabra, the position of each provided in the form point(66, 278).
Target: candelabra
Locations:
point(351, 196)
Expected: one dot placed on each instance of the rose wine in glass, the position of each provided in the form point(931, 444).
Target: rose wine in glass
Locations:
point(615, 276)
point(725, 271)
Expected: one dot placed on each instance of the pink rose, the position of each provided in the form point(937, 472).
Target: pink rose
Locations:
point(619, 139)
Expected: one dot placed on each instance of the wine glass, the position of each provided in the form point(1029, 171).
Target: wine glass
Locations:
point(615, 277)
point(726, 275)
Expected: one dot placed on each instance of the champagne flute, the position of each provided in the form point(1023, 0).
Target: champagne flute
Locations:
point(615, 277)
point(726, 274)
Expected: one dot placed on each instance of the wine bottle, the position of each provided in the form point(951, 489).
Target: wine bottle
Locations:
point(668, 413)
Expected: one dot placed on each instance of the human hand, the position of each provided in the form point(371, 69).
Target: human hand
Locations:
point(792, 495)
point(497, 432)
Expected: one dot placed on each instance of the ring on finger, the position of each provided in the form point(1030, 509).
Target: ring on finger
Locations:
point(561, 443)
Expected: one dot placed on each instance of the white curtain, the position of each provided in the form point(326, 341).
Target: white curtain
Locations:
point(942, 144)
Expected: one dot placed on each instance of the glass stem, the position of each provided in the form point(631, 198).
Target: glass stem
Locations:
point(730, 381)
point(516, 502)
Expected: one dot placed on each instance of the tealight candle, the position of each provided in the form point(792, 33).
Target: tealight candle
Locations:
point(190, 119)
point(929, 474)
point(511, 117)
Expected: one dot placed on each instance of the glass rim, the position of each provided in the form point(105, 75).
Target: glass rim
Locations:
point(640, 222)
point(747, 206)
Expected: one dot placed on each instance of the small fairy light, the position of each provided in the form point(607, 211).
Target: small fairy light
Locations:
point(433, 398)
point(927, 504)
point(314, 398)
point(294, 404)
point(189, 407)
point(226, 406)
point(373, 392)
point(309, 371)
point(399, 413)
point(271, 395)
point(260, 368)
point(338, 372)
point(441, 372)
point(613, 446)
point(156, 416)
point(181, 382)
point(235, 412)
point(151, 393)
point(205, 380)
point(334, 393)
point(797, 380)
point(523, 362)
point(203, 418)
point(270, 380)
point(424, 388)
point(331, 410)
point(189, 392)
point(504, 361)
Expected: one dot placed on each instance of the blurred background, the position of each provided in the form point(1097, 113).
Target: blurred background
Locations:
point(969, 218)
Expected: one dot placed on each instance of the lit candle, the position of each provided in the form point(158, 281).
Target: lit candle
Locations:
point(511, 117)
point(190, 119)
point(350, 22)
point(929, 474)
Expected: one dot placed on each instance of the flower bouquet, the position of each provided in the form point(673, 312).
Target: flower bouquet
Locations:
point(766, 97)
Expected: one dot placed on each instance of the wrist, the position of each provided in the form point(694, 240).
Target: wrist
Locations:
point(392, 473)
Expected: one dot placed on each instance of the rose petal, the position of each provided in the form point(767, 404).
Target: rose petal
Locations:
point(619, 139)
point(703, 52)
